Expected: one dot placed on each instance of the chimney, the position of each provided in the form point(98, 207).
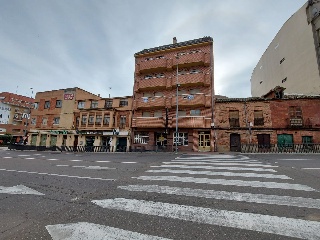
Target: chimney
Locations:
point(174, 40)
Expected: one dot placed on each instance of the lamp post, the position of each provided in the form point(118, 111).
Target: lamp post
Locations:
point(28, 115)
point(177, 107)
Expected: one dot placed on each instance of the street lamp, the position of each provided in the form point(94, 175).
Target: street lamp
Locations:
point(177, 108)
point(28, 115)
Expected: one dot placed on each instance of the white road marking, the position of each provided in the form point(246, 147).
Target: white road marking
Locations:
point(19, 189)
point(76, 160)
point(30, 158)
point(223, 164)
point(226, 182)
point(128, 162)
point(219, 161)
point(208, 156)
point(229, 174)
point(311, 168)
point(231, 196)
point(53, 159)
point(62, 165)
point(85, 231)
point(7, 157)
point(102, 161)
point(53, 174)
point(296, 159)
point(93, 167)
point(248, 221)
point(78, 166)
point(217, 168)
point(23, 155)
point(36, 154)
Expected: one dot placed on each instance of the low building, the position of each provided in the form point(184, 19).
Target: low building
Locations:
point(15, 115)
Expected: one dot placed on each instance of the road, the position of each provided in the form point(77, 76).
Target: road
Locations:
point(53, 195)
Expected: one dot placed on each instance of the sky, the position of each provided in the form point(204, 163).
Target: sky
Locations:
point(56, 44)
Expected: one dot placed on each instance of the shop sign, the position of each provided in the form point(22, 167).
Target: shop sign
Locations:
point(59, 131)
point(89, 133)
point(68, 96)
point(3, 130)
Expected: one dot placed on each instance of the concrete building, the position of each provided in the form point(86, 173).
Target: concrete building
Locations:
point(15, 115)
point(173, 90)
point(292, 58)
point(76, 118)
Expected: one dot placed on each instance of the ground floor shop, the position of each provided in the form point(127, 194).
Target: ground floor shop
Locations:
point(109, 141)
point(197, 140)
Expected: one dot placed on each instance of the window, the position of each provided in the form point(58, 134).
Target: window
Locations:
point(58, 104)
point(158, 113)
point(182, 113)
point(123, 121)
point(106, 120)
point(146, 114)
point(295, 115)
point(196, 112)
point(123, 102)
point(307, 139)
point(180, 92)
point(84, 120)
point(160, 75)
point(94, 104)
point(141, 137)
point(56, 120)
point(98, 119)
point(36, 105)
point(182, 139)
point(234, 118)
point(147, 95)
point(33, 121)
point(77, 121)
point(91, 119)
point(193, 71)
point(158, 94)
point(148, 76)
point(44, 121)
point(108, 103)
point(81, 104)
point(258, 118)
point(194, 91)
point(47, 104)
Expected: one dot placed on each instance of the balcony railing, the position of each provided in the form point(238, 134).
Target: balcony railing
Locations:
point(196, 100)
point(193, 59)
point(153, 83)
point(151, 65)
point(148, 122)
point(196, 79)
point(151, 102)
point(191, 122)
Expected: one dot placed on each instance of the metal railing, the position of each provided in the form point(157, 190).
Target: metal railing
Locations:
point(281, 148)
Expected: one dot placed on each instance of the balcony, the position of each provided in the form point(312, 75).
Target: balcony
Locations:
point(191, 80)
point(153, 84)
point(148, 122)
point(151, 102)
point(193, 59)
point(197, 100)
point(191, 122)
point(153, 65)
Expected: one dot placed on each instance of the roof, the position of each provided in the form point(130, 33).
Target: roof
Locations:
point(176, 45)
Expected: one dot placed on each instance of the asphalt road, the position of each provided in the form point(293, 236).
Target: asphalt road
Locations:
point(53, 195)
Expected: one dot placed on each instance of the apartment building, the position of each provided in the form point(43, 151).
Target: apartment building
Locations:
point(292, 60)
point(104, 122)
point(275, 119)
point(15, 115)
point(172, 97)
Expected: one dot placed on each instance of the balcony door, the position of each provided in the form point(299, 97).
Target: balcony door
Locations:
point(204, 141)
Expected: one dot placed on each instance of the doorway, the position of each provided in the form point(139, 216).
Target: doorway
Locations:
point(204, 141)
point(235, 142)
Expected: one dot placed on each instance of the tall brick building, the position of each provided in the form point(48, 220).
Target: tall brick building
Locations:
point(161, 73)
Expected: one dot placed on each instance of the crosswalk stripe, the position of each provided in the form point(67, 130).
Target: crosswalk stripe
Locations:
point(217, 168)
point(229, 174)
point(223, 164)
point(208, 156)
point(240, 183)
point(231, 196)
point(219, 161)
point(248, 221)
point(85, 230)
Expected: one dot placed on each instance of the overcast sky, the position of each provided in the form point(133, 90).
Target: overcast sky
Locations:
point(90, 44)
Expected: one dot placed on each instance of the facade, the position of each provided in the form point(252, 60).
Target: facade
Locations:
point(266, 122)
point(76, 118)
point(15, 115)
point(173, 89)
point(292, 58)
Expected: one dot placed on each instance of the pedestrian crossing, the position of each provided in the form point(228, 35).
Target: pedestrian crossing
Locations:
point(206, 170)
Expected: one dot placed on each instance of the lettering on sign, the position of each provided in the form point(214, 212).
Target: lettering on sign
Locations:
point(68, 96)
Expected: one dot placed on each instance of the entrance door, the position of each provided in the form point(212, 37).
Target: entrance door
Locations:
point(43, 140)
point(122, 144)
point(204, 141)
point(235, 143)
point(53, 140)
point(285, 141)
point(263, 140)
